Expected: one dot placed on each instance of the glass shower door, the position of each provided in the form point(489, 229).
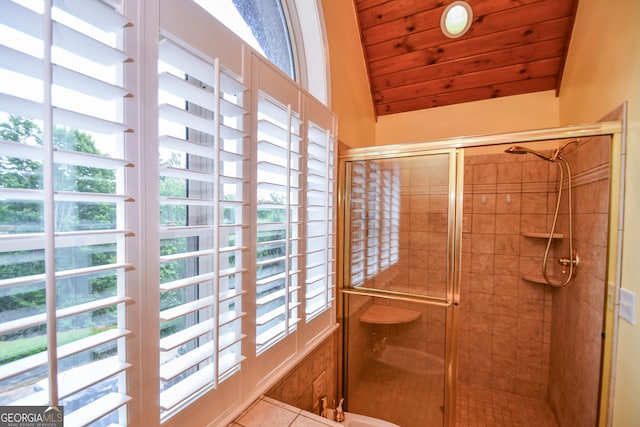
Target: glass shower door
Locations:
point(399, 294)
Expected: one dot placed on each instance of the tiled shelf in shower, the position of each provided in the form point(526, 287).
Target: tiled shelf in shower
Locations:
point(533, 278)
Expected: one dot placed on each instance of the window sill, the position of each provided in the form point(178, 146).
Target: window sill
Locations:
point(276, 376)
point(267, 411)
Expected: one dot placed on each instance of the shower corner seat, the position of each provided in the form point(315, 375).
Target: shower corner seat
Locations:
point(388, 315)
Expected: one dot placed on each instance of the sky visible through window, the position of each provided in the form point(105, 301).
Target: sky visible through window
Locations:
point(261, 24)
point(226, 12)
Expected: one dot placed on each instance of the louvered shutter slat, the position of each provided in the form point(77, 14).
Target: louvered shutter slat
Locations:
point(40, 359)
point(94, 12)
point(180, 392)
point(96, 409)
point(78, 43)
point(41, 319)
point(187, 361)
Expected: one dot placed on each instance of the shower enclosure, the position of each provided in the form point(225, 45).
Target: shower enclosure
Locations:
point(445, 310)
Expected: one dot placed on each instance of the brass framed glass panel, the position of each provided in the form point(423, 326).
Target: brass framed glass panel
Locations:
point(399, 284)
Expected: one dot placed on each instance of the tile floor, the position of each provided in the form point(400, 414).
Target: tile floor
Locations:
point(413, 400)
point(402, 396)
point(479, 406)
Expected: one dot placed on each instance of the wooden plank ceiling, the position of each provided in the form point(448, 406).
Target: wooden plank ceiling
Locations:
point(513, 47)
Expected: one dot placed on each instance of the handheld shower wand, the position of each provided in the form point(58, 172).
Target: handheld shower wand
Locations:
point(573, 259)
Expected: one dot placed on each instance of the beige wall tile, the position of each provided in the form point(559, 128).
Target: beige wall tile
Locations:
point(509, 172)
point(535, 171)
point(483, 223)
point(509, 203)
point(508, 224)
point(485, 174)
point(507, 244)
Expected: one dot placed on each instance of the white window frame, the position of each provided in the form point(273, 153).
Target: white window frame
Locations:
point(140, 311)
point(183, 20)
point(311, 47)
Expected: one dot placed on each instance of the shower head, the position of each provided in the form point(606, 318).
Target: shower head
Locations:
point(517, 149)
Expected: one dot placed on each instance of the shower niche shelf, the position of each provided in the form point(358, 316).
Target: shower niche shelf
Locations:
point(388, 315)
point(538, 278)
point(538, 235)
point(533, 278)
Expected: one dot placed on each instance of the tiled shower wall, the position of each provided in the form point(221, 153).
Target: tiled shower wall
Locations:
point(523, 337)
point(578, 309)
point(505, 330)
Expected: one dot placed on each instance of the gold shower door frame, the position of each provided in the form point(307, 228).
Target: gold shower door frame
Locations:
point(454, 251)
point(454, 147)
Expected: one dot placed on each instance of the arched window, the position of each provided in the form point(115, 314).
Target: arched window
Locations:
point(289, 35)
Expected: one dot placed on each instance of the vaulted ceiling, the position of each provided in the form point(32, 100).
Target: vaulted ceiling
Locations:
point(512, 47)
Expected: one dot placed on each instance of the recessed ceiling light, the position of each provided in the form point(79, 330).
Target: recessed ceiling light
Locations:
point(456, 19)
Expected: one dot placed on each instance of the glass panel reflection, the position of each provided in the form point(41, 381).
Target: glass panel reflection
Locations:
point(396, 353)
point(399, 224)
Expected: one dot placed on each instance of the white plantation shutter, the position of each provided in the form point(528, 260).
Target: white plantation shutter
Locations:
point(375, 218)
point(358, 222)
point(389, 195)
point(203, 204)
point(320, 242)
point(373, 215)
point(278, 257)
point(394, 215)
point(233, 206)
point(385, 217)
point(63, 229)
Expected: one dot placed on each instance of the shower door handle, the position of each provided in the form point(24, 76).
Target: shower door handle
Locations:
point(419, 299)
